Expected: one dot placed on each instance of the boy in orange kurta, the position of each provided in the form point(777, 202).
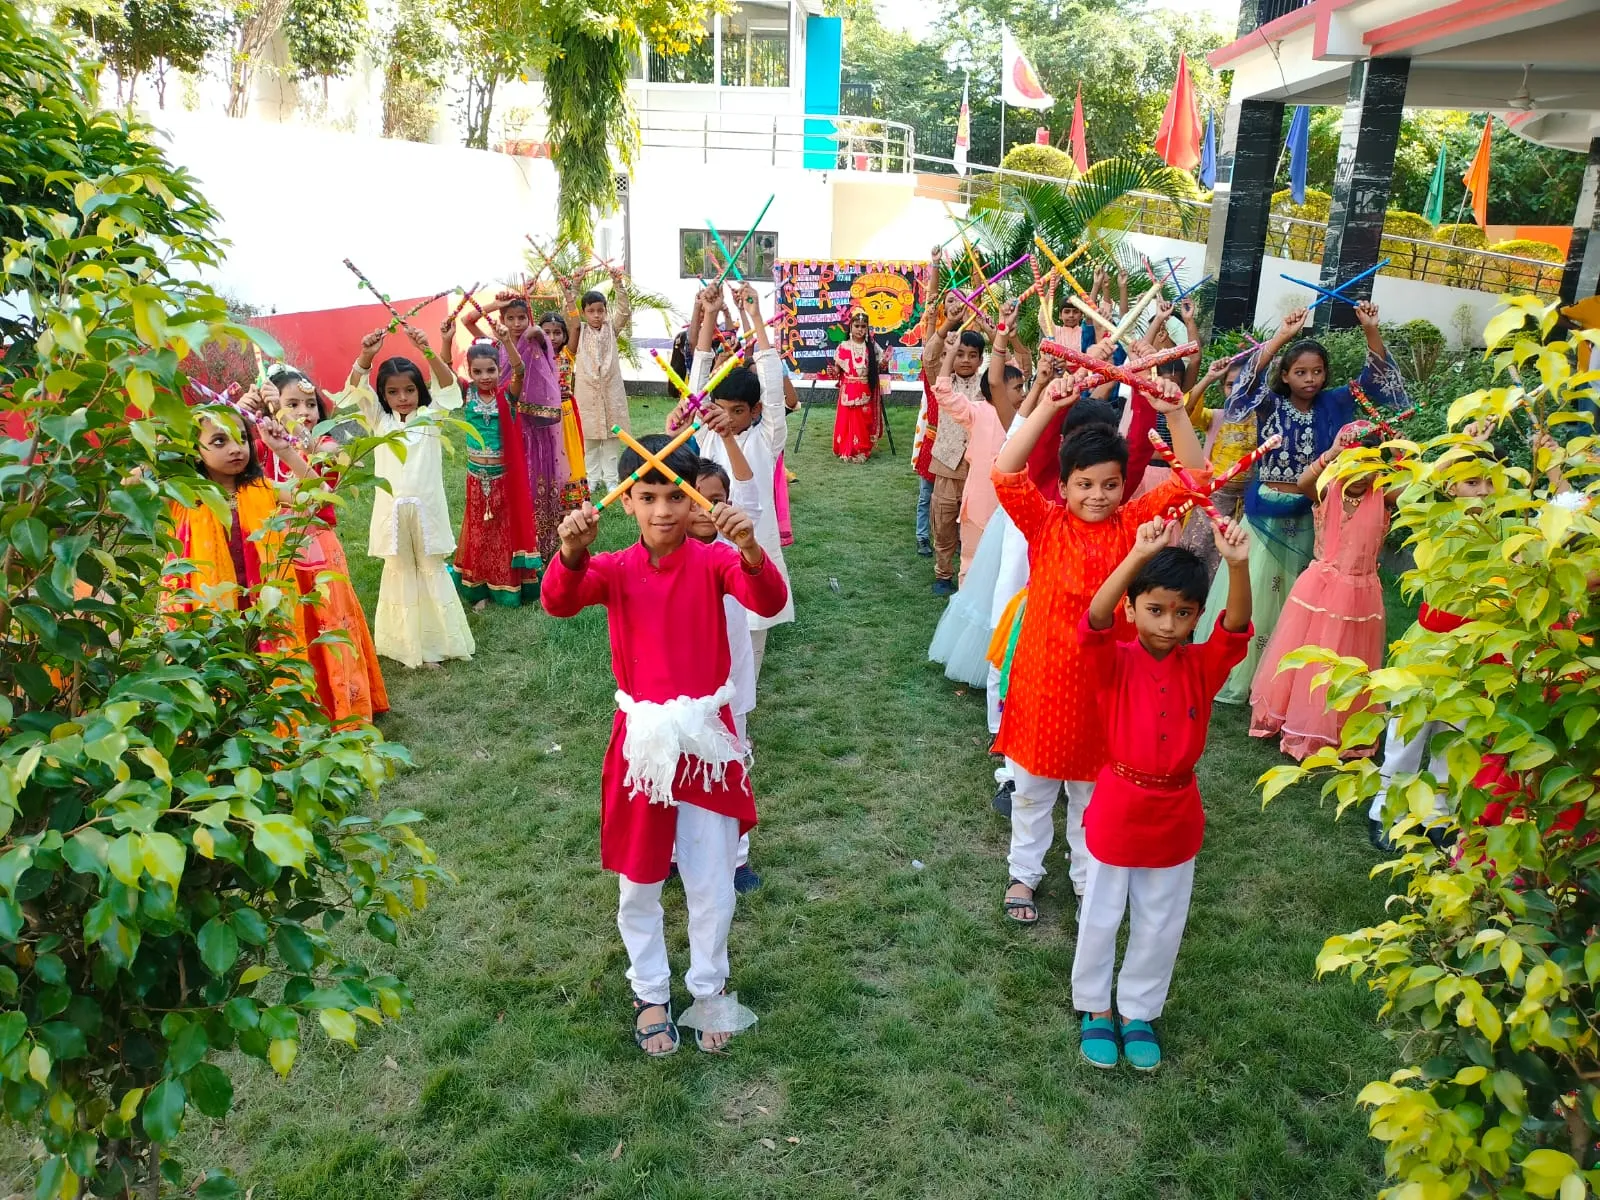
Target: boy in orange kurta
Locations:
point(1049, 737)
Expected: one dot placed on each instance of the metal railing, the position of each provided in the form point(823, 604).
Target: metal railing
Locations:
point(855, 143)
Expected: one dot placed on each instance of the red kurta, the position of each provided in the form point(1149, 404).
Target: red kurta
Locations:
point(1156, 711)
point(669, 638)
point(1049, 727)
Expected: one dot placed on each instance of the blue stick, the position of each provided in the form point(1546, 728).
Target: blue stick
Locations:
point(1338, 292)
point(1324, 295)
point(1192, 288)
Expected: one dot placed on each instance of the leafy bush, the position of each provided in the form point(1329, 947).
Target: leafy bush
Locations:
point(179, 828)
point(1520, 278)
point(1488, 966)
point(413, 72)
point(1405, 258)
point(1303, 243)
point(1468, 235)
point(1040, 160)
point(1407, 224)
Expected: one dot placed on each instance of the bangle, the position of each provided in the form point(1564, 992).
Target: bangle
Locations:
point(1000, 327)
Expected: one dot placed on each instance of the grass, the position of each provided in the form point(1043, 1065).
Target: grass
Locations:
point(912, 1042)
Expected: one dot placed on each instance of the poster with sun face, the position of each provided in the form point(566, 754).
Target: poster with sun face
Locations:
point(814, 301)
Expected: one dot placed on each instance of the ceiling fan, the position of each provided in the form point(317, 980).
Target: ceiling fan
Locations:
point(1524, 100)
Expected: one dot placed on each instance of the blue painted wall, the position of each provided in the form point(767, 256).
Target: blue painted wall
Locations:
point(824, 54)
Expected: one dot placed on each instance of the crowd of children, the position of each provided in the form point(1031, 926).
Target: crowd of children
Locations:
point(1104, 600)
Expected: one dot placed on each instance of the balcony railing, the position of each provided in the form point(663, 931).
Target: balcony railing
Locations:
point(782, 139)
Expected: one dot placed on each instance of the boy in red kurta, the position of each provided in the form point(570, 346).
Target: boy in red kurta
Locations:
point(1049, 734)
point(673, 777)
point(1144, 825)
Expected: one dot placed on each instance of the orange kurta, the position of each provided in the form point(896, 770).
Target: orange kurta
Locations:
point(1050, 727)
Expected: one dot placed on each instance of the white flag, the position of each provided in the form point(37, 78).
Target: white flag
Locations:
point(963, 130)
point(1019, 82)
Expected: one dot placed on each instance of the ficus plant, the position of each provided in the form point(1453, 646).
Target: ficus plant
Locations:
point(181, 833)
point(1488, 962)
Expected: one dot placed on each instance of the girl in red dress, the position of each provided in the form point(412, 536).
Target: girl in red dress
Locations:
point(858, 421)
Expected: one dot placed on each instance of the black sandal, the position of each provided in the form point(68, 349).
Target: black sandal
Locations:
point(1015, 904)
point(641, 1036)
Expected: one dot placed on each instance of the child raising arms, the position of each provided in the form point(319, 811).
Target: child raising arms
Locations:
point(1145, 823)
point(673, 777)
point(419, 620)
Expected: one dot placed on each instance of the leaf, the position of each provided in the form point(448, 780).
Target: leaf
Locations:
point(219, 946)
point(163, 1110)
point(254, 974)
point(125, 861)
point(338, 1025)
point(209, 1090)
point(217, 1186)
point(281, 1054)
point(187, 1049)
point(383, 928)
point(295, 948)
point(1470, 1075)
point(39, 1065)
point(129, 1107)
point(283, 840)
point(31, 539)
point(163, 855)
point(12, 1026)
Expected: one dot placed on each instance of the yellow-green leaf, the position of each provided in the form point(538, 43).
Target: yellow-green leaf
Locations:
point(1470, 1075)
point(39, 1065)
point(338, 1025)
point(252, 974)
point(129, 1108)
point(163, 857)
point(281, 1054)
point(367, 1013)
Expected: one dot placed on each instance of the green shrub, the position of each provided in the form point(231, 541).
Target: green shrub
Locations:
point(1407, 224)
point(180, 830)
point(1303, 243)
point(1516, 277)
point(1405, 258)
point(1468, 235)
point(1035, 159)
point(1487, 963)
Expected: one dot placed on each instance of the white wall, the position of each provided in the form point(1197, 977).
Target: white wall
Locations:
point(1399, 299)
point(295, 202)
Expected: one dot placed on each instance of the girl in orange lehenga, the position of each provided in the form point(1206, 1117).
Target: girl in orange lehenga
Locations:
point(576, 490)
point(349, 681)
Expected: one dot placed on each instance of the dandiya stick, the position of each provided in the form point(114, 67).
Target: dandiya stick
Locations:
point(655, 461)
point(1107, 371)
point(1200, 495)
point(729, 263)
point(1135, 311)
point(1060, 267)
point(385, 301)
point(995, 278)
point(1375, 414)
point(1092, 313)
point(1223, 480)
point(465, 296)
point(416, 308)
point(673, 377)
point(749, 233)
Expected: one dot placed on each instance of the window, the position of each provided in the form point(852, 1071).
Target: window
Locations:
point(755, 46)
point(699, 258)
point(695, 64)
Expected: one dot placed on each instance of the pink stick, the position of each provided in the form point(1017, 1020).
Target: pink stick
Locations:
point(1000, 274)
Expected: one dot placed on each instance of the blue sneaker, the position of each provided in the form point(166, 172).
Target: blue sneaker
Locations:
point(1097, 1042)
point(744, 879)
point(1139, 1045)
point(944, 587)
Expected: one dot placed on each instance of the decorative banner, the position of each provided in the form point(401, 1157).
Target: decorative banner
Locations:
point(814, 299)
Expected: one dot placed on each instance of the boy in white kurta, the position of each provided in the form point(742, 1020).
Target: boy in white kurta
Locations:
point(753, 400)
point(597, 387)
point(419, 620)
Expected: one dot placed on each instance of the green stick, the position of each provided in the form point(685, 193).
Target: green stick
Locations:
point(748, 234)
point(726, 258)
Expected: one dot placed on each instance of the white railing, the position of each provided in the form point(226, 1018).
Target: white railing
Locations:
point(782, 139)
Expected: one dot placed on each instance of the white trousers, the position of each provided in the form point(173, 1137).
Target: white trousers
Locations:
point(758, 648)
point(1033, 826)
point(1403, 756)
point(600, 457)
point(992, 690)
point(705, 847)
point(1157, 900)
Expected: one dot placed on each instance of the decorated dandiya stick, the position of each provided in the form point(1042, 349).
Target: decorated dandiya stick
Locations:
point(400, 323)
point(1221, 481)
point(699, 398)
point(466, 295)
point(1107, 371)
point(1060, 267)
point(1375, 414)
point(728, 262)
point(1131, 317)
point(995, 278)
point(673, 377)
point(655, 460)
point(1198, 490)
point(749, 233)
point(1093, 313)
point(414, 310)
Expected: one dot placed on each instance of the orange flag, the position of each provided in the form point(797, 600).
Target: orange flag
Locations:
point(1476, 179)
point(1178, 141)
point(1079, 138)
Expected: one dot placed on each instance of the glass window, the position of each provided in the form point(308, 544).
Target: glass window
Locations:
point(696, 64)
point(755, 46)
point(699, 258)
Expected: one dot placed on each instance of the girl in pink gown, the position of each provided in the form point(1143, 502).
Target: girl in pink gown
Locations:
point(1337, 604)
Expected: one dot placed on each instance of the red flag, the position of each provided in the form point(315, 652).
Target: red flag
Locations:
point(1178, 141)
point(1476, 179)
point(1079, 140)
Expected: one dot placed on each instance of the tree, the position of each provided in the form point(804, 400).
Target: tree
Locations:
point(1488, 965)
point(179, 828)
point(145, 36)
point(325, 37)
point(252, 24)
point(495, 40)
point(413, 71)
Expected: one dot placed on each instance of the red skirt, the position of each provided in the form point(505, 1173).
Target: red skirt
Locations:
point(857, 421)
point(488, 565)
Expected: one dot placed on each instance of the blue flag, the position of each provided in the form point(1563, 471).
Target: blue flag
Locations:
point(1299, 151)
point(1208, 154)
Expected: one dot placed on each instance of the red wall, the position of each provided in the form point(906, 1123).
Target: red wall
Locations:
point(323, 344)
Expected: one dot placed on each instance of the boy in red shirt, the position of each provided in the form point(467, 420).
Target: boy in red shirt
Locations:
point(1144, 823)
point(673, 776)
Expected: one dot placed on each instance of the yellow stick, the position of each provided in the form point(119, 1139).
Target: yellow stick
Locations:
point(654, 461)
point(1092, 313)
point(1133, 314)
point(1060, 267)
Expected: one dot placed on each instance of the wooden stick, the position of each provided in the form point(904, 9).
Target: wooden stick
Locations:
point(654, 461)
point(400, 323)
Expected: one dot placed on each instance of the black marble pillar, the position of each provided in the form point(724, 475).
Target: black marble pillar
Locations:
point(1246, 165)
point(1361, 179)
point(1581, 278)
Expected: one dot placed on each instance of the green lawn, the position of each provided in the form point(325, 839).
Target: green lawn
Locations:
point(912, 1042)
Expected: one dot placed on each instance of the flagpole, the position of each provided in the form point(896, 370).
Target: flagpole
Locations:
point(1002, 125)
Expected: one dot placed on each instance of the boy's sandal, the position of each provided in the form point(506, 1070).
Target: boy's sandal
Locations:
point(1097, 1042)
point(641, 1036)
point(1015, 905)
point(1139, 1045)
